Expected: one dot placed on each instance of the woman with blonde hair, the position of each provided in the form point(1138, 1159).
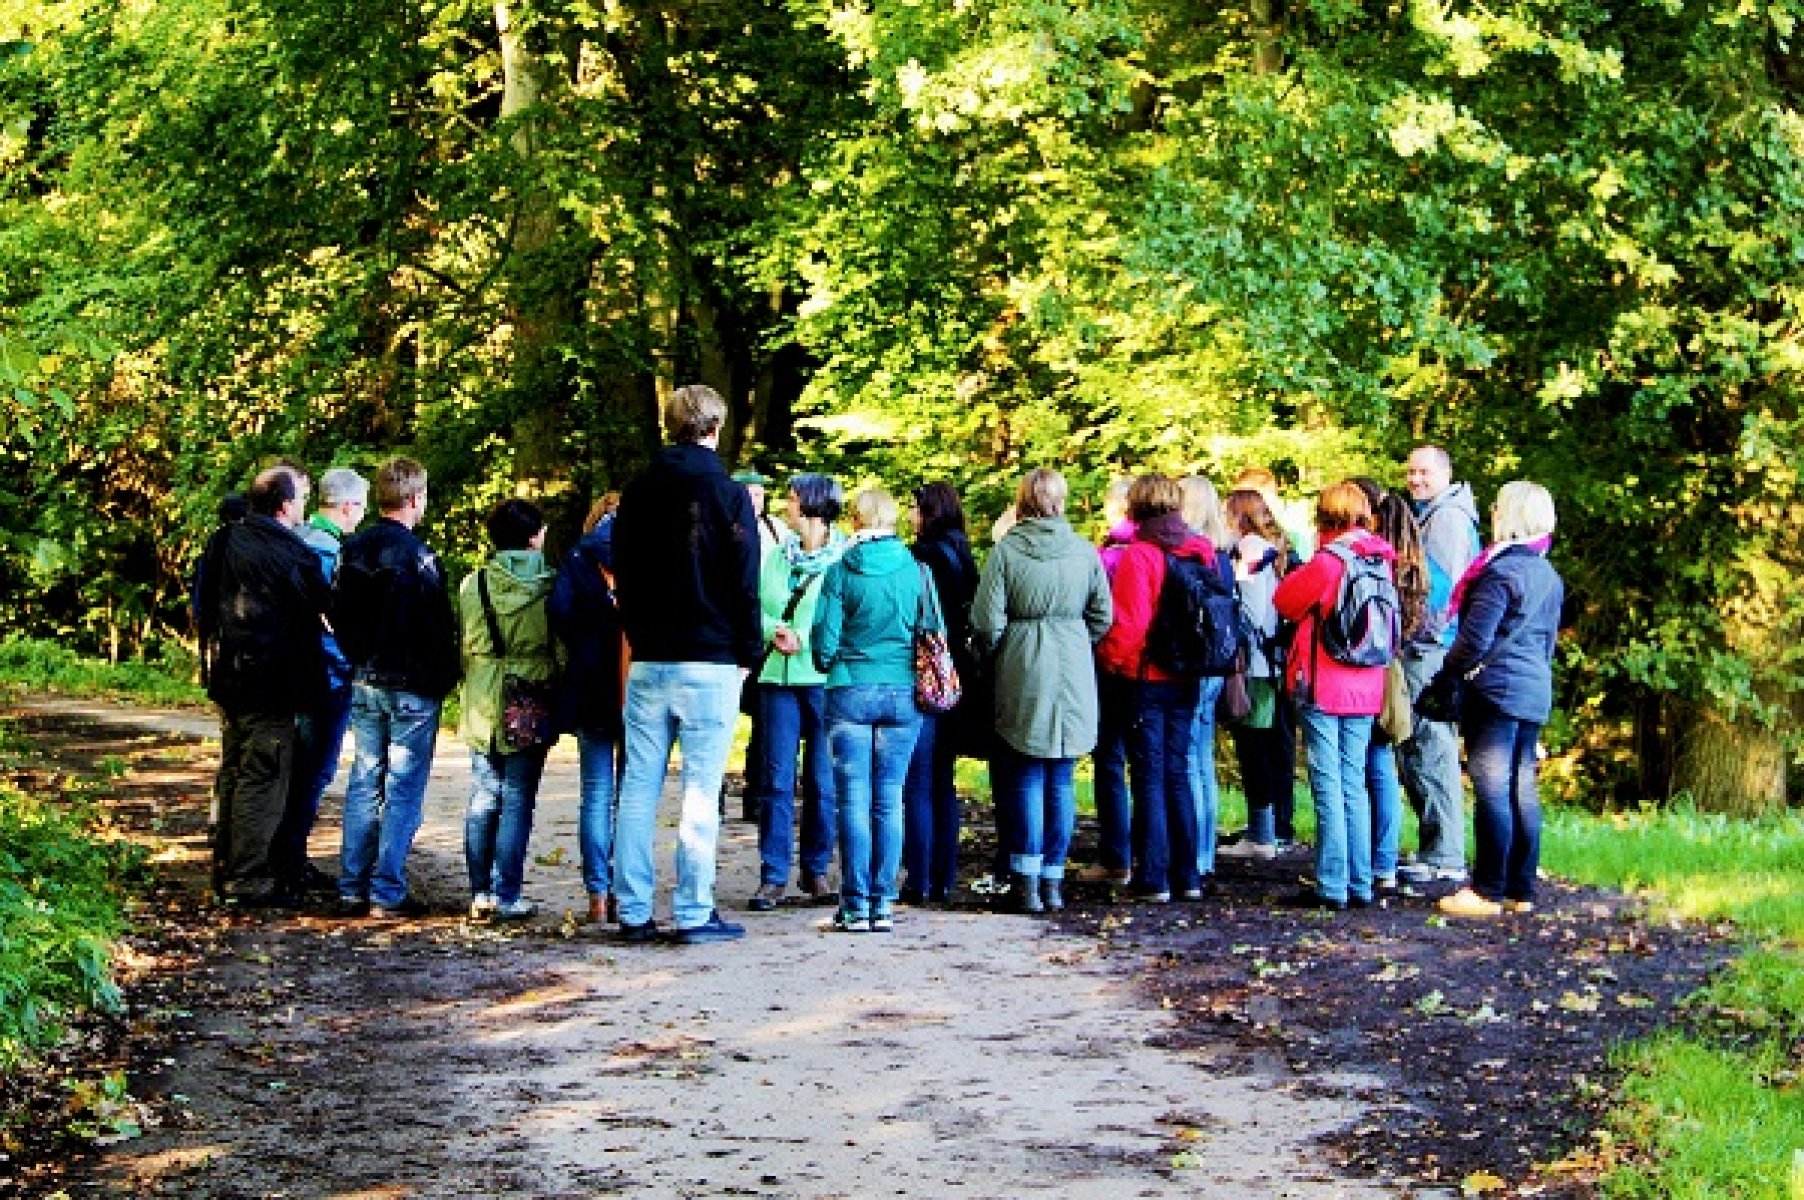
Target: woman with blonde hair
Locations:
point(1336, 702)
point(1509, 604)
point(872, 602)
point(1203, 514)
point(1041, 604)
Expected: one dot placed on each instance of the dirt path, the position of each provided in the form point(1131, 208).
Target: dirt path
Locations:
point(967, 1054)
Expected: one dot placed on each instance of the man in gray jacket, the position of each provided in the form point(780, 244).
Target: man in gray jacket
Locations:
point(1429, 760)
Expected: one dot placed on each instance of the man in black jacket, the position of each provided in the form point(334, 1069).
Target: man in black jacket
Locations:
point(393, 617)
point(261, 601)
point(686, 565)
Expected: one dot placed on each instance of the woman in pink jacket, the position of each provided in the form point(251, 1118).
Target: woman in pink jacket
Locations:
point(1335, 703)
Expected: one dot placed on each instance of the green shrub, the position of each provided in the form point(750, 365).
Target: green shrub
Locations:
point(62, 903)
point(46, 666)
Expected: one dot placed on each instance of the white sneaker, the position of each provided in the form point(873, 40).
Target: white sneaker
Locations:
point(482, 905)
point(1423, 873)
point(516, 910)
point(1246, 849)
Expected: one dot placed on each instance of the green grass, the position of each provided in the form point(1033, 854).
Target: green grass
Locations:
point(1718, 1105)
point(62, 903)
point(35, 664)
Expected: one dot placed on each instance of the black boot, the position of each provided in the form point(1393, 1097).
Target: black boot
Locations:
point(1026, 889)
point(1053, 892)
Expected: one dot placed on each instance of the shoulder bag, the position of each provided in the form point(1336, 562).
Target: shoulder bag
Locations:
point(525, 703)
point(936, 678)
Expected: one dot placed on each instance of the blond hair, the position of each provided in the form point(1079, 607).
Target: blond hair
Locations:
point(1041, 494)
point(694, 413)
point(874, 508)
point(1523, 510)
point(1202, 510)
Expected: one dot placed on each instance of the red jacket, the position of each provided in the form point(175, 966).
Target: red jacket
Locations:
point(1309, 673)
point(1139, 574)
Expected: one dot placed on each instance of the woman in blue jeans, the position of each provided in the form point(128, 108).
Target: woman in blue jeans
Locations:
point(1509, 605)
point(872, 601)
point(791, 698)
point(586, 620)
point(1203, 513)
point(1396, 525)
point(506, 631)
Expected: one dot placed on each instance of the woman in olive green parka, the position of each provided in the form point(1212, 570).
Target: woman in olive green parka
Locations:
point(1041, 606)
point(504, 776)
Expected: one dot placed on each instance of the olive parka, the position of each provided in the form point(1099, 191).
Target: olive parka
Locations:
point(1041, 605)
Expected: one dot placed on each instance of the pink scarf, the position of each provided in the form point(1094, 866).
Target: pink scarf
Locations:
point(1539, 545)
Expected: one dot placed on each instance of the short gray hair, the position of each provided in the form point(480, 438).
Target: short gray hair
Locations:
point(693, 412)
point(341, 484)
point(1523, 510)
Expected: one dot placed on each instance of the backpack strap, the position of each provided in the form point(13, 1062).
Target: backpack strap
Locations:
point(488, 612)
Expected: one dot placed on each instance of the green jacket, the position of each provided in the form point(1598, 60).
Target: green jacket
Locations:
point(519, 583)
point(1041, 605)
point(777, 580)
point(864, 622)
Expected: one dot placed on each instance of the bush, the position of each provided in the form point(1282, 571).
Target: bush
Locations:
point(47, 666)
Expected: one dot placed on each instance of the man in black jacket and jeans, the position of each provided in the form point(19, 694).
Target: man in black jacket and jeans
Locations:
point(686, 568)
point(261, 601)
point(393, 617)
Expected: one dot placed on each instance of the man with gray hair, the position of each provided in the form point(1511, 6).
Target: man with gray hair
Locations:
point(320, 732)
point(1429, 760)
point(261, 605)
point(686, 568)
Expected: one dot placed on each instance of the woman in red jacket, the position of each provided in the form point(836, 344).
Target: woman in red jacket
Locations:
point(1164, 707)
point(1335, 702)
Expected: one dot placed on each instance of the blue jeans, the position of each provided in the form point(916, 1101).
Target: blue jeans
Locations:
point(1042, 792)
point(872, 729)
point(791, 721)
point(498, 824)
point(319, 735)
point(1164, 821)
point(695, 705)
point(395, 734)
point(1336, 747)
point(1387, 806)
point(931, 813)
point(598, 763)
point(1500, 757)
point(1115, 717)
point(1203, 784)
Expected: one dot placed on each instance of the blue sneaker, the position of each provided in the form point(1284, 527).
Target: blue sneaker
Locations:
point(712, 930)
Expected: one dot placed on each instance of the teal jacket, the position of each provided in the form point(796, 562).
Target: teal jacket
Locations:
point(864, 622)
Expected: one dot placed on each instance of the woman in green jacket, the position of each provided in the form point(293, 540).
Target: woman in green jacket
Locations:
point(1041, 605)
point(505, 632)
point(791, 696)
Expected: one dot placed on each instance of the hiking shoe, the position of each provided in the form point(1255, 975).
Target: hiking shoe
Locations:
point(1311, 899)
point(483, 906)
point(648, 932)
point(1423, 873)
point(1264, 851)
point(1150, 897)
point(1468, 903)
point(405, 909)
point(712, 930)
point(766, 898)
point(1097, 873)
point(315, 880)
point(1384, 883)
point(816, 888)
point(1518, 906)
point(883, 923)
point(520, 909)
point(845, 922)
point(351, 906)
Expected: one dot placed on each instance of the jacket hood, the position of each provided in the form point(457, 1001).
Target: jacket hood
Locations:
point(597, 545)
point(1169, 532)
point(1043, 538)
point(517, 578)
point(1122, 533)
point(878, 556)
point(1457, 498)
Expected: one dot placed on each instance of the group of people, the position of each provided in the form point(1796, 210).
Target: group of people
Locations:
point(685, 603)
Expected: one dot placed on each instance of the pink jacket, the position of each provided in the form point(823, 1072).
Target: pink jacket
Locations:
point(1309, 673)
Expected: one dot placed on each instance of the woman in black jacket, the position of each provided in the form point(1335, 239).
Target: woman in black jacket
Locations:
point(586, 620)
point(930, 799)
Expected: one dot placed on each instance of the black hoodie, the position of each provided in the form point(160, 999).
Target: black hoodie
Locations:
point(686, 562)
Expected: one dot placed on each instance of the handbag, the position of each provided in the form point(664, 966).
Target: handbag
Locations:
point(525, 703)
point(1395, 720)
point(936, 678)
point(1235, 703)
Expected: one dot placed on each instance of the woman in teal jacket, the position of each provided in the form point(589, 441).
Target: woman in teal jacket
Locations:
point(504, 597)
point(791, 697)
point(872, 601)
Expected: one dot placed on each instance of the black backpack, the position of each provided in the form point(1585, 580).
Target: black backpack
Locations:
point(1199, 628)
point(1362, 628)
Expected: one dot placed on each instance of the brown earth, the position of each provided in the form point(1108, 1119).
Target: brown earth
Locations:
point(1229, 1048)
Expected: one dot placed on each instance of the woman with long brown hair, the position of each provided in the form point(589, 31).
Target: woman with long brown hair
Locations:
point(1261, 555)
point(1396, 525)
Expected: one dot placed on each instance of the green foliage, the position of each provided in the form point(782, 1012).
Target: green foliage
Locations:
point(44, 666)
point(61, 904)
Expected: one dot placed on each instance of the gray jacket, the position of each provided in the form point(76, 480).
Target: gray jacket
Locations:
point(1041, 605)
point(1450, 541)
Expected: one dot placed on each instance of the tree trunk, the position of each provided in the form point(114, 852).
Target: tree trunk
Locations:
point(1736, 767)
point(1268, 21)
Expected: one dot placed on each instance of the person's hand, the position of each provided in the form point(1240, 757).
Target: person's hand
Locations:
point(786, 640)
